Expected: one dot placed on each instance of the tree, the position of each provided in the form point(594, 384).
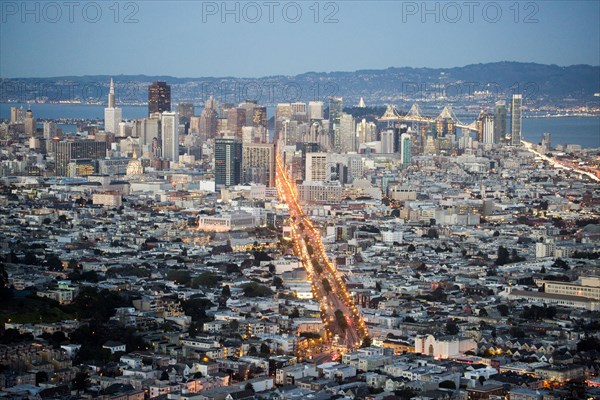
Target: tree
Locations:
point(6, 292)
point(295, 313)
point(73, 264)
point(366, 342)
point(341, 319)
point(560, 263)
point(29, 258)
point(261, 256)
point(278, 282)
point(432, 233)
point(483, 312)
point(447, 385)
point(179, 276)
point(326, 285)
point(588, 344)
point(234, 325)
point(503, 256)
point(53, 263)
point(265, 349)
point(405, 393)
point(81, 381)
point(249, 387)
point(516, 332)
point(452, 328)
point(410, 248)
point(207, 279)
point(226, 292)
point(253, 289)
point(502, 309)
point(41, 377)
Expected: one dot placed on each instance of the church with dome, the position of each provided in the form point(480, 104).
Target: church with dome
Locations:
point(134, 167)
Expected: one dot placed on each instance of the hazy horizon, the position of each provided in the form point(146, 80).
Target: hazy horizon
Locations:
point(300, 73)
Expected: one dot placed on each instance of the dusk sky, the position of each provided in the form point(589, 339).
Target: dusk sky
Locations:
point(190, 39)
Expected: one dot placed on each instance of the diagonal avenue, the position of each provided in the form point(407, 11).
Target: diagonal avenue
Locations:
point(345, 327)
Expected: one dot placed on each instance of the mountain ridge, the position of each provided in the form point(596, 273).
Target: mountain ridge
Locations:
point(546, 83)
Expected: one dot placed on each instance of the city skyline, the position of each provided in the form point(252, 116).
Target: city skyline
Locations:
point(399, 34)
point(385, 234)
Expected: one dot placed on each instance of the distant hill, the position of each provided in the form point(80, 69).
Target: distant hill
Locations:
point(544, 84)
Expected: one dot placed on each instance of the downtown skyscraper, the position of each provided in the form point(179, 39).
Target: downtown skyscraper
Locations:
point(170, 136)
point(500, 122)
point(159, 97)
point(515, 119)
point(112, 114)
point(405, 149)
point(228, 161)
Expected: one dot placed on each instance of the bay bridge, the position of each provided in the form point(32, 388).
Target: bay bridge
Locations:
point(415, 115)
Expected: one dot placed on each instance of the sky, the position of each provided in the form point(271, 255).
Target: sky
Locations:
point(269, 37)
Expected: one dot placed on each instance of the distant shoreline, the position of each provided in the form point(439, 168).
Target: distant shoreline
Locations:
point(579, 115)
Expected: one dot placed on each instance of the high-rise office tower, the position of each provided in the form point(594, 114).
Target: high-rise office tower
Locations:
point(236, 119)
point(30, 124)
point(315, 110)
point(112, 114)
point(546, 142)
point(306, 148)
point(194, 125)
point(258, 164)
point(50, 130)
point(515, 119)
point(365, 132)
point(67, 151)
point(298, 107)
point(489, 135)
point(317, 167)
point(17, 115)
point(207, 123)
point(228, 161)
point(251, 134)
point(500, 122)
point(387, 141)
point(185, 111)
point(289, 133)
point(159, 97)
point(283, 110)
point(335, 112)
point(259, 117)
point(170, 136)
point(405, 148)
point(249, 106)
point(147, 129)
point(299, 111)
point(347, 133)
